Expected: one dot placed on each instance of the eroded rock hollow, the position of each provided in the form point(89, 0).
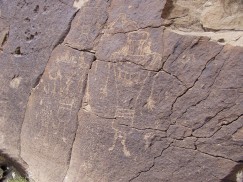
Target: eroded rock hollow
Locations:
point(122, 90)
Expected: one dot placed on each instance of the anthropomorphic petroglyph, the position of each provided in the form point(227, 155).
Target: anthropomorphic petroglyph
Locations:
point(119, 136)
point(137, 50)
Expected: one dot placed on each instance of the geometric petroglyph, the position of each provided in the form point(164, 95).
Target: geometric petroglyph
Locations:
point(67, 58)
point(124, 113)
point(126, 77)
point(129, 75)
point(64, 111)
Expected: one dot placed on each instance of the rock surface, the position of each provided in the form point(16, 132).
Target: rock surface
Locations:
point(100, 90)
point(205, 14)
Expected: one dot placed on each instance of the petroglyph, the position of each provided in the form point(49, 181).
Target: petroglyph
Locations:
point(88, 19)
point(58, 84)
point(127, 75)
point(119, 135)
point(57, 98)
point(150, 104)
point(86, 100)
point(104, 89)
point(121, 24)
point(103, 93)
point(64, 111)
point(151, 101)
point(129, 85)
point(138, 50)
point(125, 113)
point(87, 24)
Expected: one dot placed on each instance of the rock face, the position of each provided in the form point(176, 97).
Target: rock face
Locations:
point(205, 14)
point(101, 90)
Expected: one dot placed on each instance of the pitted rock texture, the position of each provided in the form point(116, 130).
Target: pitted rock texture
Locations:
point(100, 90)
